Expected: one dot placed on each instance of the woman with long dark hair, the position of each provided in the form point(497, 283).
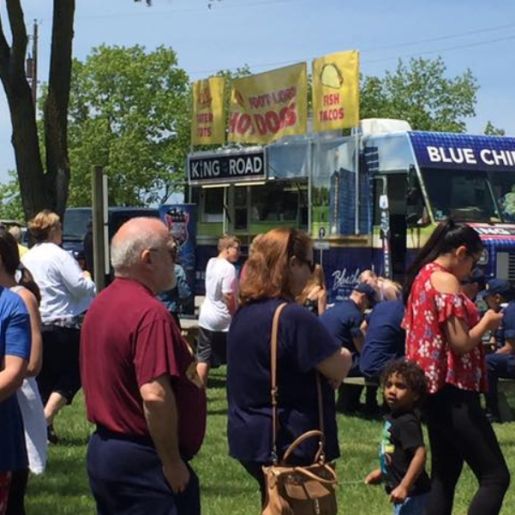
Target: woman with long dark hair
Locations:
point(276, 272)
point(443, 335)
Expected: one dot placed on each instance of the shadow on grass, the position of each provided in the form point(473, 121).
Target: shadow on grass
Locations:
point(227, 489)
point(72, 441)
point(360, 415)
point(217, 411)
point(216, 382)
point(65, 476)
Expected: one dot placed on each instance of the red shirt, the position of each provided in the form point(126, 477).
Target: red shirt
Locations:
point(427, 312)
point(129, 339)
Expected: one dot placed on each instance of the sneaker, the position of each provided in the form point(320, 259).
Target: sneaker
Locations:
point(51, 436)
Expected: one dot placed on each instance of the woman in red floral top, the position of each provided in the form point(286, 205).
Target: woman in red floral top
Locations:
point(443, 335)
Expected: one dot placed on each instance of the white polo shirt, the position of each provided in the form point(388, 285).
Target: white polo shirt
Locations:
point(65, 291)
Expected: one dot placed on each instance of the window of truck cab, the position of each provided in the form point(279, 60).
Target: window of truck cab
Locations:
point(470, 195)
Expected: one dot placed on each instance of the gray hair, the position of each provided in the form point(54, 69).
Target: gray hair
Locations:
point(126, 252)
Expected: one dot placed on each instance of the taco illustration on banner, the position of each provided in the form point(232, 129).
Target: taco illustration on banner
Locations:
point(331, 76)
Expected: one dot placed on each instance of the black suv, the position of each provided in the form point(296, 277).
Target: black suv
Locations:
point(77, 219)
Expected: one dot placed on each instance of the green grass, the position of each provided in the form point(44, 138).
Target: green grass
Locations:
point(225, 487)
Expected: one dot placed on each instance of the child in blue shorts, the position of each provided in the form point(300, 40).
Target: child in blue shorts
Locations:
point(402, 451)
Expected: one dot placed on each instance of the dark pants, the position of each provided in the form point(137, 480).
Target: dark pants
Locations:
point(349, 394)
point(126, 478)
point(60, 371)
point(16, 504)
point(498, 365)
point(460, 432)
point(255, 470)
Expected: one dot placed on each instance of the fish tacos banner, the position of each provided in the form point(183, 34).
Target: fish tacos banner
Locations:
point(208, 124)
point(336, 91)
point(268, 106)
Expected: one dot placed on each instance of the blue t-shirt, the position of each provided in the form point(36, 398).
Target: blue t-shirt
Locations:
point(508, 322)
point(174, 298)
point(302, 344)
point(343, 322)
point(15, 340)
point(385, 337)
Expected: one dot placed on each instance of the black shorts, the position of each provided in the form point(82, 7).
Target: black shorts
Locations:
point(212, 347)
point(60, 371)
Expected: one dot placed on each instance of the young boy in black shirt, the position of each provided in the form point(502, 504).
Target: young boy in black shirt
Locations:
point(402, 452)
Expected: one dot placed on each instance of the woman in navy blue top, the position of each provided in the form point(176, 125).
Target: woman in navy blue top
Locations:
point(276, 272)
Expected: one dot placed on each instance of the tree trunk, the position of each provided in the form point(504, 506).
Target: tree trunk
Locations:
point(56, 105)
point(26, 149)
point(24, 137)
point(39, 190)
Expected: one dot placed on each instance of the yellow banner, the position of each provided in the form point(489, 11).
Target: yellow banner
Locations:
point(208, 124)
point(336, 91)
point(268, 106)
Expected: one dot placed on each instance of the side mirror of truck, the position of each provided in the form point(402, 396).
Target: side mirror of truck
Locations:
point(416, 211)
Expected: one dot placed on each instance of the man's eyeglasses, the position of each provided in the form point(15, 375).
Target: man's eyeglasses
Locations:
point(171, 251)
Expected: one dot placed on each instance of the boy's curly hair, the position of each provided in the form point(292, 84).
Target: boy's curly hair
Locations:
point(412, 374)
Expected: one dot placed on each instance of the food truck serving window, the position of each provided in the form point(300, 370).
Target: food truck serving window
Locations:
point(213, 201)
point(280, 201)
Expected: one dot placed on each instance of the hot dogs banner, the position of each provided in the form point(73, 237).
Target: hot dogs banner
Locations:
point(271, 105)
point(268, 106)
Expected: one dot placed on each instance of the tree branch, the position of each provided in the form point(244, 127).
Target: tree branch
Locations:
point(4, 52)
point(56, 105)
point(19, 32)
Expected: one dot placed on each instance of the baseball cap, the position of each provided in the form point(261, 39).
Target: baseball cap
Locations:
point(368, 291)
point(494, 286)
point(476, 276)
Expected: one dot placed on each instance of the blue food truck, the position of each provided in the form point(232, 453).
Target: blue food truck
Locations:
point(369, 200)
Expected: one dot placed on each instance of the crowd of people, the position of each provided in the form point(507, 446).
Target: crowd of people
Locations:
point(425, 343)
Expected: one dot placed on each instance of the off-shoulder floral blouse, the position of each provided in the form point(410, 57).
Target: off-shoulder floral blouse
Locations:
point(427, 312)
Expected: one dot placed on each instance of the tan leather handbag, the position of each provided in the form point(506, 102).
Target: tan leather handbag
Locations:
point(300, 490)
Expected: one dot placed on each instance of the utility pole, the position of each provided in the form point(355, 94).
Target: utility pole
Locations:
point(35, 63)
point(31, 66)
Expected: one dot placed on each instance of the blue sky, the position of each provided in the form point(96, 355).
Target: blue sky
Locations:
point(267, 34)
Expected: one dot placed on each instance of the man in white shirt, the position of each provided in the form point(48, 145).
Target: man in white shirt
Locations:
point(218, 307)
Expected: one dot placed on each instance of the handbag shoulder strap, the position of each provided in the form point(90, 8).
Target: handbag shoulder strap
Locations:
point(273, 377)
point(273, 390)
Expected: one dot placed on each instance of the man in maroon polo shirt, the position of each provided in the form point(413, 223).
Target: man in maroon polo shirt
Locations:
point(140, 384)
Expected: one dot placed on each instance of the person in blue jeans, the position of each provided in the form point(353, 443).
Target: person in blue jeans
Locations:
point(402, 451)
point(501, 362)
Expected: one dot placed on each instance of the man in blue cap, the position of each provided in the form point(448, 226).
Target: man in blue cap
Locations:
point(343, 322)
point(473, 284)
point(501, 362)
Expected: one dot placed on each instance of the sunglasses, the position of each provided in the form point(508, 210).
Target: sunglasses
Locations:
point(311, 264)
